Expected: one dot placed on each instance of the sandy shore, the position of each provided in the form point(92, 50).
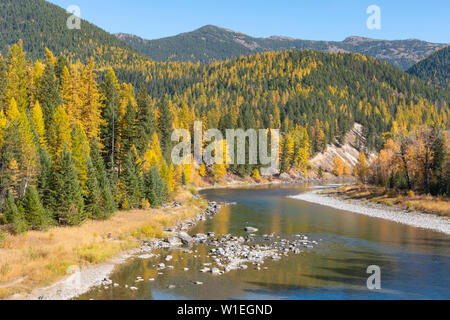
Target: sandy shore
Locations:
point(416, 219)
point(78, 283)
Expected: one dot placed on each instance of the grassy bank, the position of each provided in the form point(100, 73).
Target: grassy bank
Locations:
point(403, 199)
point(40, 258)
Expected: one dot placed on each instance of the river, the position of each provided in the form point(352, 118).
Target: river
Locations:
point(414, 262)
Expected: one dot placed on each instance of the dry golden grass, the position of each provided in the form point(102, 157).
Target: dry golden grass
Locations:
point(36, 258)
point(405, 200)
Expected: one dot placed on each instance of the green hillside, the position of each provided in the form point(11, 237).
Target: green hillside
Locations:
point(435, 68)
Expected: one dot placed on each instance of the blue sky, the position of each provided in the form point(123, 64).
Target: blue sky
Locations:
point(304, 19)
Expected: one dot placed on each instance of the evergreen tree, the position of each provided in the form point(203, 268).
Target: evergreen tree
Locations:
point(45, 180)
point(93, 195)
point(145, 121)
point(131, 178)
point(15, 215)
point(110, 113)
point(155, 189)
point(107, 202)
point(48, 93)
point(80, 153)
point(183, 178)
point(165, 123)
point(68, 200)
point(128, 131)
point(35, 214)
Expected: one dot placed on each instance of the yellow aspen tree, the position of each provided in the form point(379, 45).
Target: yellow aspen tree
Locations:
point(90, 98)
point(338, 166)
point(12, 113)
point(80, 153)
point(256, 174)
point(202, 170)
point(18, 80)
point(70, 93)
point(60, 132)
point(362, 167)
point(38, 123)
point(28, 164)
point(153, 156)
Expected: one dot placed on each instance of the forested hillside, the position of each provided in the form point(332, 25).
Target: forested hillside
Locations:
point(211, 43)
point(41, 24)
point(435, 68)
point(87, 129)
point(74, 146)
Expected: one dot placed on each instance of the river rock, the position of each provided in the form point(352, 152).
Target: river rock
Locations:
point(173, 241)
point(201, 237)
point(185, 238)
point(285, 177)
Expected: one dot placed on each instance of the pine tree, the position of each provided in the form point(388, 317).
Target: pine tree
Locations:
point(107, 202)
point(15, 215)
point(165, 128)
point(127, 132)
point(48, 93)
point(45, 180)
point(145, 121)
point(80, 152)
point(155, 189)
point(110, 113)
point(93, 194)
point(68, 200)
point(183, 178)
point(131, 178)
point(35, 214)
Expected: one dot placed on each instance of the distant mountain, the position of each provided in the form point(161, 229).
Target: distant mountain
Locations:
point(435, 68)
point(211, 43)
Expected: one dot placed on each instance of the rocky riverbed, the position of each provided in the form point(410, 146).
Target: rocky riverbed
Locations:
point(225, 252)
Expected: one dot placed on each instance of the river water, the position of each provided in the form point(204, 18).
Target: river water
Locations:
point(414, 262)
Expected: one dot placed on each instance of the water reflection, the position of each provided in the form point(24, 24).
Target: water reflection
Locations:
point(414, 262)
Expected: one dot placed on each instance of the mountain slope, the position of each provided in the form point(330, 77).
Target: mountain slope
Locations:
point(41, 24)
point(211, 43)
point(435, 68)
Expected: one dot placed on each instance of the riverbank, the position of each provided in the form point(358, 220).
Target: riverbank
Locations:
point(376, 209)
point(234, 181)
point(38, 262)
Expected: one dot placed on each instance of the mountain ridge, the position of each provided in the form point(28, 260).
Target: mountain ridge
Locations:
point(210, 43)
